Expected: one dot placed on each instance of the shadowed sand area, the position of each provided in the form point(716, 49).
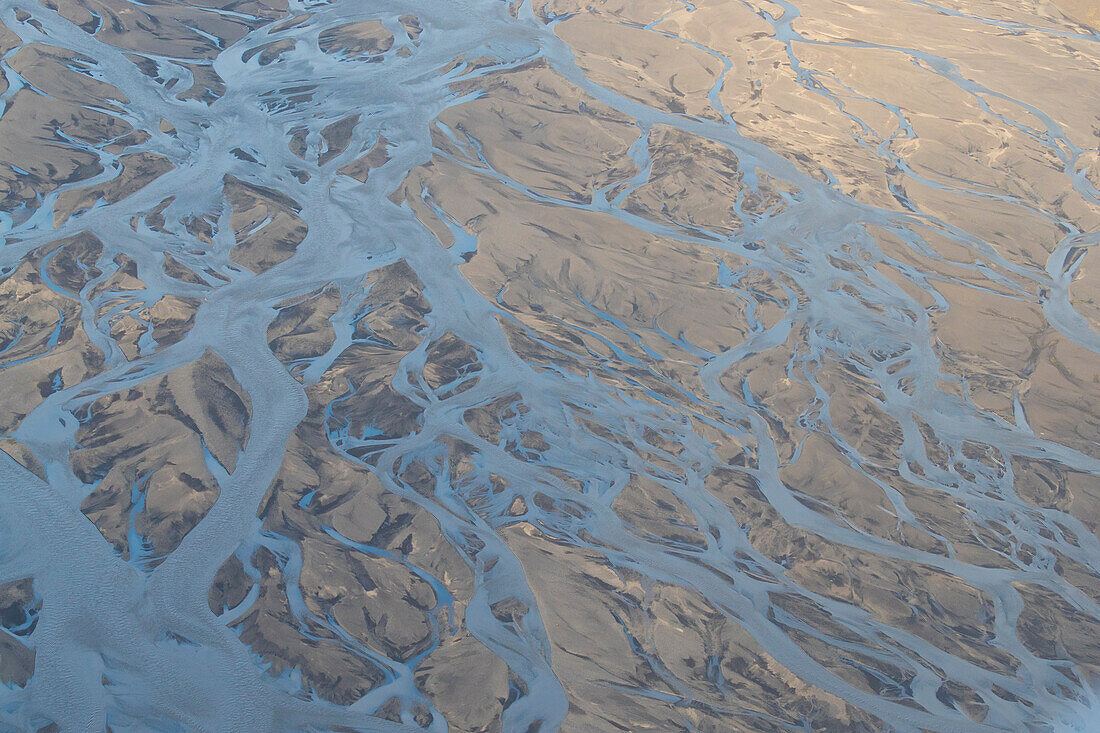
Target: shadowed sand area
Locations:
point(528, 366)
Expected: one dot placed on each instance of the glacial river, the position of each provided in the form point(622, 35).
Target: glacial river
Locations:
point(466, 365)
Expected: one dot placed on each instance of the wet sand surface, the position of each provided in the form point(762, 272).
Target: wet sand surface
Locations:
point(511, 366)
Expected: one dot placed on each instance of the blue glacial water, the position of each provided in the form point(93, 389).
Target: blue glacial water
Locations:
point(102, 656)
